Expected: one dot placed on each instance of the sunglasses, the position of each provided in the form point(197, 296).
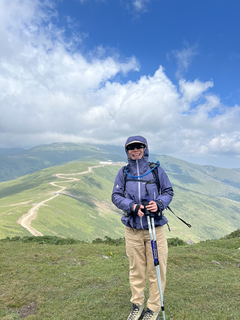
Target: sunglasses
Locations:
point(135, 145)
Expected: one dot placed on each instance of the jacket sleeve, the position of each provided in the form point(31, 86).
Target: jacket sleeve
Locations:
point(166, 195)
point(118, 194)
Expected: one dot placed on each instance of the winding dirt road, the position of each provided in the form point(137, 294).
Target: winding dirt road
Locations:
point(26, 219)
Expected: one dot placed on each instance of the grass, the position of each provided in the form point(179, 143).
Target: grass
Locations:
point(90, 280)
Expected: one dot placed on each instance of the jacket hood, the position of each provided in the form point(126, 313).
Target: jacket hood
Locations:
point(137, 139)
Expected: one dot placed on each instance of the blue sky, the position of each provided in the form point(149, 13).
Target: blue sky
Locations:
point(160, 32)
point(101, 70)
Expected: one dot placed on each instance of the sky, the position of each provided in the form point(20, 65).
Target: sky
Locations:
point(98, 71)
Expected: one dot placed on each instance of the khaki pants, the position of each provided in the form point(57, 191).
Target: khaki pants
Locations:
point(139, 252)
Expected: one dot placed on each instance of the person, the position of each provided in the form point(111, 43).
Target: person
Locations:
point(129, 189)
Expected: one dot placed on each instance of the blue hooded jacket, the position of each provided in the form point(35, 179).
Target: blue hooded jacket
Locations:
point(139, 189)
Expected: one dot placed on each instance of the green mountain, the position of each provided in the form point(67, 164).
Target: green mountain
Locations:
point(205, 179)
point(79, 205)
point(18, 162)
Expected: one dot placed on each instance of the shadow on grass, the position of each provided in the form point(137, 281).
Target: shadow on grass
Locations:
point(81, 197)
point(35, 182)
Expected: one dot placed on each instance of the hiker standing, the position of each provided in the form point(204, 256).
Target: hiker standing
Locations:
point(132, 184)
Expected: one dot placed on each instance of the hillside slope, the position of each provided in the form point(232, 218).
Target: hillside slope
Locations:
point(210, 180)
point(79, 205)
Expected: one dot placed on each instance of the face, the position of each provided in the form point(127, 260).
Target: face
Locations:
point(136, 153)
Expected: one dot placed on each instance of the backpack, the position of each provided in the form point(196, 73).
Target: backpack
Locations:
point(154, 169)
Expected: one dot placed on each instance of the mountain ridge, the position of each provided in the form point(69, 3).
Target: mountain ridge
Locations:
point(15, 164)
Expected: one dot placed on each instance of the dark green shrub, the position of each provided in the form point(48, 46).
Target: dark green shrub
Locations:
point(108, 240)
point(175, 242)
point(43, 240)
point(234, 234)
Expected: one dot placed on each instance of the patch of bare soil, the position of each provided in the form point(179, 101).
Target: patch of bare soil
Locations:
point(27, 310)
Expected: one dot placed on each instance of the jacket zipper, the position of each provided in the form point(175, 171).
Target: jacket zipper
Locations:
point(139, 190)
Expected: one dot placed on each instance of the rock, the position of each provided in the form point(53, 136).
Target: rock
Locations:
point(189, 241)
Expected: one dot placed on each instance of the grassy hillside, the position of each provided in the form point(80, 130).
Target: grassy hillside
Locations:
point(211, 217)
point(86, 215)
point(43, 281)
point(83, 210)
point(212, 181)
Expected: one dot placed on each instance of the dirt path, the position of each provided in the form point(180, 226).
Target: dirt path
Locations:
point(26, 219)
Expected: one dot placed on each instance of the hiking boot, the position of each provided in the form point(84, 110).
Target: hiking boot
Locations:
point(150, 315)
point(136, 312)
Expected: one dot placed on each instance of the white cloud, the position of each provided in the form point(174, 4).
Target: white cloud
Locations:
point(229, 144)
point(184, 58)
point(136, 6)
point(192, 91)
point(140, 5)
point(50, 92)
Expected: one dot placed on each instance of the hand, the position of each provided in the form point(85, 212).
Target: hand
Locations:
point(152, 206)
point(140, 213)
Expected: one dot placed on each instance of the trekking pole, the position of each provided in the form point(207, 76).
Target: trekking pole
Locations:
point(152, 234)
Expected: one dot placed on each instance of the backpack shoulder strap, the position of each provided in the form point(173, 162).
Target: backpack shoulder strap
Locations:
point(155, 166)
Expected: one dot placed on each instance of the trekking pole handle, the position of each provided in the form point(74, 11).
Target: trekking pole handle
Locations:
point(145, 203)
point(147, 213)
